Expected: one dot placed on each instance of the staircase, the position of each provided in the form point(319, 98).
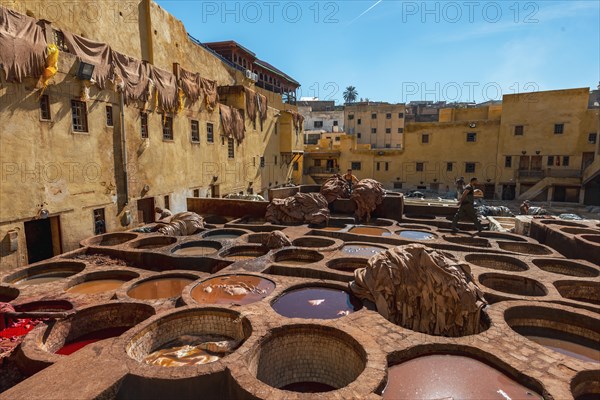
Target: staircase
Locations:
point(542, 185)
point(591, 171)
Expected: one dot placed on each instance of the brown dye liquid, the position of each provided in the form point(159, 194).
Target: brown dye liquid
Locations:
point(308, 387)
point(448, 376)
point(190, 350)
point(416, 235)
point(568, 348)
point(162, 288)
point(96, 286)
point(232, 289)
point(241, 257)
point(360, 250)
point(43, 278)
point(295, 262)
point(224, 236)
point(196, 251)
point(318, 303)
point(371, 231)
point(332, 228)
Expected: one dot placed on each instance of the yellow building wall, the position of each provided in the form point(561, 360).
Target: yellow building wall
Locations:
point(380, 139)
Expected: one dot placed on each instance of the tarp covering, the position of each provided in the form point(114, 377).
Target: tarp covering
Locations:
point(22, 46)
point(303, 208)
point(181, 224)
point(367, 194)
point(334, 188)
point(422, 289)
point(96, 53)
point(233, 123)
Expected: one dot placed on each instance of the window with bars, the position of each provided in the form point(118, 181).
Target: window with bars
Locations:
point(550, 162)
point(262, 162)
point(388, 116)
point(519, 130)
point(592, 137)
point(425, 138)
point(470, 167)
point(566, 161)
point(45, 108)
point(144, 124)
point(355, 165)
point(400, 130)
point(196, 192)
point(167, 125)
point(373, 130)
point(449, 167)
point(508, 162)
point(210, 138)
point(559, 129)
point(59, 40)
point(167, 202)
point(359, 121)
point(79, 116)
point(374, 116)
point(195, 129)
point(419, 167)
point(471, 137)
point(400, 115)
point(109, 116)
point(230, 148)
point(388, 130)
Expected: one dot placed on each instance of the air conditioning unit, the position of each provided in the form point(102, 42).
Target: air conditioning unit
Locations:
point(255, 77)
point(251, 75)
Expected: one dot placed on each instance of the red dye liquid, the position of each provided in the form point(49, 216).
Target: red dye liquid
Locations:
point(89, 338)
point(308, 387)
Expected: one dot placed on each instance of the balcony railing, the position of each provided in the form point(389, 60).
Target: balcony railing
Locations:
point(526, 173)
point(321, 170)
point(563, 173)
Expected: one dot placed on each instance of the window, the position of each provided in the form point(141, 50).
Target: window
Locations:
point(387, 166)
point(79, 116)
point(373, 115)
point(358, 135)
point(230, 148)
point(59, 40)
point(196, 193)
point(425, 138)
point(45, 108)
point(109, 116)
point(449, 166)
point(400, 130)
point(210, 138)
point(519, 130)
point(275, 160)
point(144, 125)
point(195, 126)
point(508, 162)
point(550, 161)
point(388, 146)
point(359, 121)
point(388, 130)
point(350, 117)
point(335, 123)
point(99, 221)
point(262, 162)
point(318, 124)
point(378, 166)
point(355, 165)
point(295, 166)
point(419, 167)
point(388, 116)
point(400, 115)
point(471, 136)
point(559, 129)
point(373, 130)
point(167, 202)
point(470, 167)
point(167, 122)
point(592, 137)
point(565, 161)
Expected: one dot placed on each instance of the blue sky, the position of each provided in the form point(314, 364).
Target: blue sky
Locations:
point(398, 51)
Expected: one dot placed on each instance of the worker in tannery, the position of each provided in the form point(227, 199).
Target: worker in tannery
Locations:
point(466, 207)
point(350, 178)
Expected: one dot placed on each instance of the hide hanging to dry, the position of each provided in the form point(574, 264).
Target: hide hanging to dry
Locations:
point(233, 123)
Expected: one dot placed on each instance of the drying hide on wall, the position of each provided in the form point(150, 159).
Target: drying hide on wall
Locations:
point(233, 122)
point(334, 188)
point(301, 208)
point(422, 289)
point(367, 194)
point(96, 53)
point(134, 75)
point(251, 105)
point(166, 88)
point(211, 97)
point(191, 85)
point(22, 46)
point(263, 105)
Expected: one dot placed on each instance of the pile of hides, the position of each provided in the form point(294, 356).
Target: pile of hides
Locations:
point(301, 208)
point(367, 194)
point(233, 123)
point(334, 188)
point(494, 211)
point(22, 46)
point(181, 224)
point(250, 197)
point(537, 211)
point(422, 289)
point(276, 240)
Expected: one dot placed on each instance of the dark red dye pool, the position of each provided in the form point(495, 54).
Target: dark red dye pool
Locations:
point(316, 302)
point(91, 337)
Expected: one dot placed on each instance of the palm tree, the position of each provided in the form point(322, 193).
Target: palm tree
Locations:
point(350, 94)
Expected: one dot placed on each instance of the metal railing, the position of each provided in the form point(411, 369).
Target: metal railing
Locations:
point(563, 173)
point(525, 173)
point(321, 170)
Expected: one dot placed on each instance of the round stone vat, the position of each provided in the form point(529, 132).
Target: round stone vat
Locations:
point(8, 293)
point(45, 273)
point(501, 236)
point(244, 252)
point(100, 281)
point(316, 302)
point(222, 234)
point(297, 257)
point(347, 264)
point(163, 286)
point(579, 231)
point(189, 337)
point(586, 291)
point(513, 284)
point(313, 242)
point(525, 248)
point(90, 325)
point(591, 238)
point(110, 239)
point(197, 248)
point(216, 219)
point(333, 227)
point(415, 226)
point(468, 241)
point(232, 289)
point(419, 216)
point(361, 249)
point(308, 359)
point(380, 222)
point(573, 334)
point(561, 223)
point(369, 230)
point(497, 261)
point(45, 306)
point(451, 376)
point(566, 267)
point(153, 242)
point(416, 235)
point(586, 385)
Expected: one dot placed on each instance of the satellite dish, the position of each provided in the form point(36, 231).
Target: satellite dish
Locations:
point(472, 125)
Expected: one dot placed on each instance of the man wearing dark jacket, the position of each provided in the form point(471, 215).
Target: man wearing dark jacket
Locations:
point(466, 207)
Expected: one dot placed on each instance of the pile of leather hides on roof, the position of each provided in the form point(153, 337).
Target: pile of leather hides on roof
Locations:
point(367, 194)
point(276, 240)
point(422, 289)
point(334, 188)
point(181, 224)
point(301, 208)
point(232, 120)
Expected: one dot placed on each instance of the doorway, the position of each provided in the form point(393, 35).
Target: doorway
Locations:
point(508, 192)
point(536, 163)
point(489, 190)
point(146, 212)
point(524, 163)
point(587, 159)
point(214, 191)
point(43, 239)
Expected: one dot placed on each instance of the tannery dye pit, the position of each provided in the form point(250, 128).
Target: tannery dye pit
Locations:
point(232, 289)
point(317, 303)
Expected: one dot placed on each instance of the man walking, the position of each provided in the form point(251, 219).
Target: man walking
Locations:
point(466, 207)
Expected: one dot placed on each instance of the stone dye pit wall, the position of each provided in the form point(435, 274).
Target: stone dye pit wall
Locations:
point(531, 287)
